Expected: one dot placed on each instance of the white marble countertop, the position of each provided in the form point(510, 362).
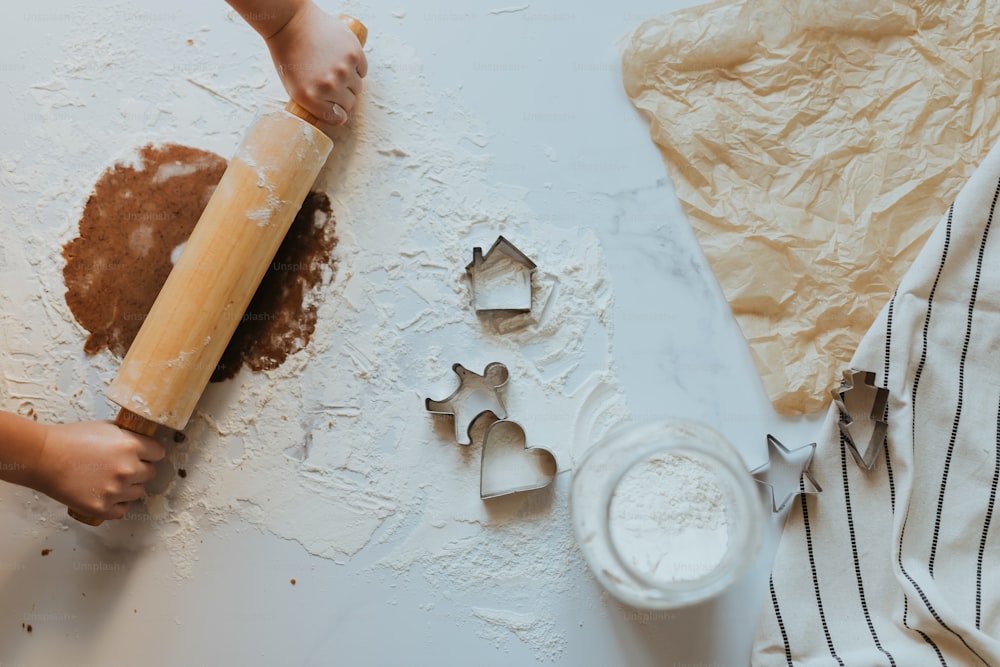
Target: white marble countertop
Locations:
point(542, 82)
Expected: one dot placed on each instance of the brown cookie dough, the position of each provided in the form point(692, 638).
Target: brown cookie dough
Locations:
point(277, 322)
point(133, 227)
point(133, 221)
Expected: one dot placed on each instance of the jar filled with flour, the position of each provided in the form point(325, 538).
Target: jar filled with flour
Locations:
point(666, 514)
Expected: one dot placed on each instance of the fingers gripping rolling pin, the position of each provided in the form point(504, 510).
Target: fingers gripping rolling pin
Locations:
point(206, 294)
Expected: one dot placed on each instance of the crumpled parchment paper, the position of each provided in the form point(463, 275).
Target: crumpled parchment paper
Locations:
point(814, 144)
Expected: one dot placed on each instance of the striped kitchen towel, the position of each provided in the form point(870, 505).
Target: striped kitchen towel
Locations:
point(899, 565)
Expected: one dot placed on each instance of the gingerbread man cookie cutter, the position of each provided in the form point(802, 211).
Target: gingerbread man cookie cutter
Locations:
point(475, 395)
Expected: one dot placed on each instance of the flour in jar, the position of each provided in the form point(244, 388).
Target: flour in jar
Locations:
point(667, 519)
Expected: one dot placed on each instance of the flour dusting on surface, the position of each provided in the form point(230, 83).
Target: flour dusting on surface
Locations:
point(539, 632)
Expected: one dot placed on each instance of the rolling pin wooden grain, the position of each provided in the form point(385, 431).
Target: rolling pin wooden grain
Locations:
point(209, 288)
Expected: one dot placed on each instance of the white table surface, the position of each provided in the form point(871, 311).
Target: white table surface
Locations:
point(678, 352)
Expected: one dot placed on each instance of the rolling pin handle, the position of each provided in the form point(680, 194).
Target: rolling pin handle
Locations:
point(83, 518)
point(356, 26)
point(129, 421)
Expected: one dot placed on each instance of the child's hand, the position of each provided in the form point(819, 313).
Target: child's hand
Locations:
point(95, 467)
point(320, 63)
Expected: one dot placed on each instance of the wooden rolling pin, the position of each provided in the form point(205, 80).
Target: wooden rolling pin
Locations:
point(209, 288)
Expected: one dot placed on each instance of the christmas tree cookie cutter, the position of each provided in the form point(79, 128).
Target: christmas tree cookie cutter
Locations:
point(862, 409)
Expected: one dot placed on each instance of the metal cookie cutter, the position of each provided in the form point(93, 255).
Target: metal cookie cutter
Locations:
point(501, 279)
point(509, 465)
point(862, 408)
point(475, 395)
point(786, 473)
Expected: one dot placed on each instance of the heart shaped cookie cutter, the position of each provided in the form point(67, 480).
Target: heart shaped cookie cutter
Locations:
point(509, 465)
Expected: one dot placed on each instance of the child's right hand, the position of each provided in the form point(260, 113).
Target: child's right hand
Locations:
point(95, 467)
point(320, 63)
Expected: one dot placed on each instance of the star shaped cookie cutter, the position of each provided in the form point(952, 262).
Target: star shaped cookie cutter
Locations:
point(476, 394)
point(786, 472)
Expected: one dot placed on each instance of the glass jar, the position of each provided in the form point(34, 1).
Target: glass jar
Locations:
point(666, 514)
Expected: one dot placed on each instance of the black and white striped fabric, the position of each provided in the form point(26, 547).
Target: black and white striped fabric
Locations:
point(899, 565)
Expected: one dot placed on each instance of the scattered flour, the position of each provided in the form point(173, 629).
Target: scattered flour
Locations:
point(529, 628)
point(167, 171)
point(667, 519)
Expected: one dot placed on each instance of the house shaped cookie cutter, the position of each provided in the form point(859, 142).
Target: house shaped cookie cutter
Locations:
point(501, 279)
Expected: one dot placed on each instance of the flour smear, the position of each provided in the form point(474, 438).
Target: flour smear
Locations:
point(334, 449)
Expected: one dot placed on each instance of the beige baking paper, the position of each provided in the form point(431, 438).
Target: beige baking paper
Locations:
point(814, 145)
